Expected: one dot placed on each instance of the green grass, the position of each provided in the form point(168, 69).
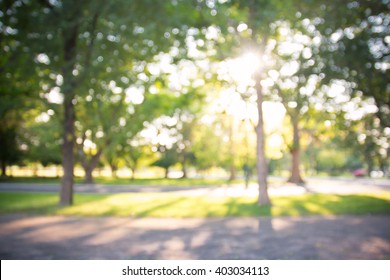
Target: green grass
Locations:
point(169, 205)
point(127, 181)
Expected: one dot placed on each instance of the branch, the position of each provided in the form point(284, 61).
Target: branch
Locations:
point(90, 44)
point(284, 100)
point(81, 152)
point(46, 4)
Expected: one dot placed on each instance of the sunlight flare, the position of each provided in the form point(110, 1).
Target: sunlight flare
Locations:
point(242, 68)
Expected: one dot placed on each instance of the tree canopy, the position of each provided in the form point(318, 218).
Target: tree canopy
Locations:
point(195, 84)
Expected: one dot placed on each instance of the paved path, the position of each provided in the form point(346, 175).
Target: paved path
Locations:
point(277, 188)
point(341, 237)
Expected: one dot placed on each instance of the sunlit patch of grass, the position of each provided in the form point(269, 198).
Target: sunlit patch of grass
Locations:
point(178, 206)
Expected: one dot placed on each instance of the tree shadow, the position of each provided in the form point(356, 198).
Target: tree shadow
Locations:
point(151, 210)
point(347, 237)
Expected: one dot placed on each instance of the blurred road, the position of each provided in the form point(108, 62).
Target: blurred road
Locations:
point(278, 187)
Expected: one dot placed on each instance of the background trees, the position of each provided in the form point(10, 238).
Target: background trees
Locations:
point(354, 41)
point(18, 83)
point(82, 49)
point(180, 83)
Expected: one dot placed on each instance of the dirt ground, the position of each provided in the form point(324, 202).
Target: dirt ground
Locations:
point(56, 237)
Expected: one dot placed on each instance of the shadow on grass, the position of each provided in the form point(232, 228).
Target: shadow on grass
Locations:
point(151, 210)
point(39, 203)
point(166, 205)
point(238, 208)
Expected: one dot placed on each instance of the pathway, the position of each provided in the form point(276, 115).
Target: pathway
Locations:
point(277, 188)
point(56, 237)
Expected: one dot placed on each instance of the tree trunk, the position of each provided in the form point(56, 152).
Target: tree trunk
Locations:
point(166, 173)
point(133, 169)
point(66, 192)
point(89, 166)
point(3, 169)
point(113, 168)
point(88, 179)
point(261, 163)
point(232, 151)
point(69, 36)
point(232, 175)
point(184, 170)
point(295, 176)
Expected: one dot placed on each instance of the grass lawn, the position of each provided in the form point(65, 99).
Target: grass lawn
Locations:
point(170, 205)
point(127, 181)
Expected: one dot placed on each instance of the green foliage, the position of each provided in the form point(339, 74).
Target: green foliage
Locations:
point(13, 108)
point(331, 161)
point(207, 147)
point(10, 152)
point(18, 83)
point(168, 158)
point(41, 137)
point(98, 54)
point(354, 44)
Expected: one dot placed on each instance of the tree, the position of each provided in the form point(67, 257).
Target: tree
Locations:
point(207, 146)
point(255, 18)
point(354, 48)
point(185, 142)
point(133, 156)
point(11, 154)
point(101, 119)
point(353, 30)
point(74, 41)
point(189, 106)
point(168, 158)
point(297, 82)
point(366, 142)
point(41, 137)
point(171, 133)
point(18, 82)
point(64, 36)
point(126, 142)
point(10, 122)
